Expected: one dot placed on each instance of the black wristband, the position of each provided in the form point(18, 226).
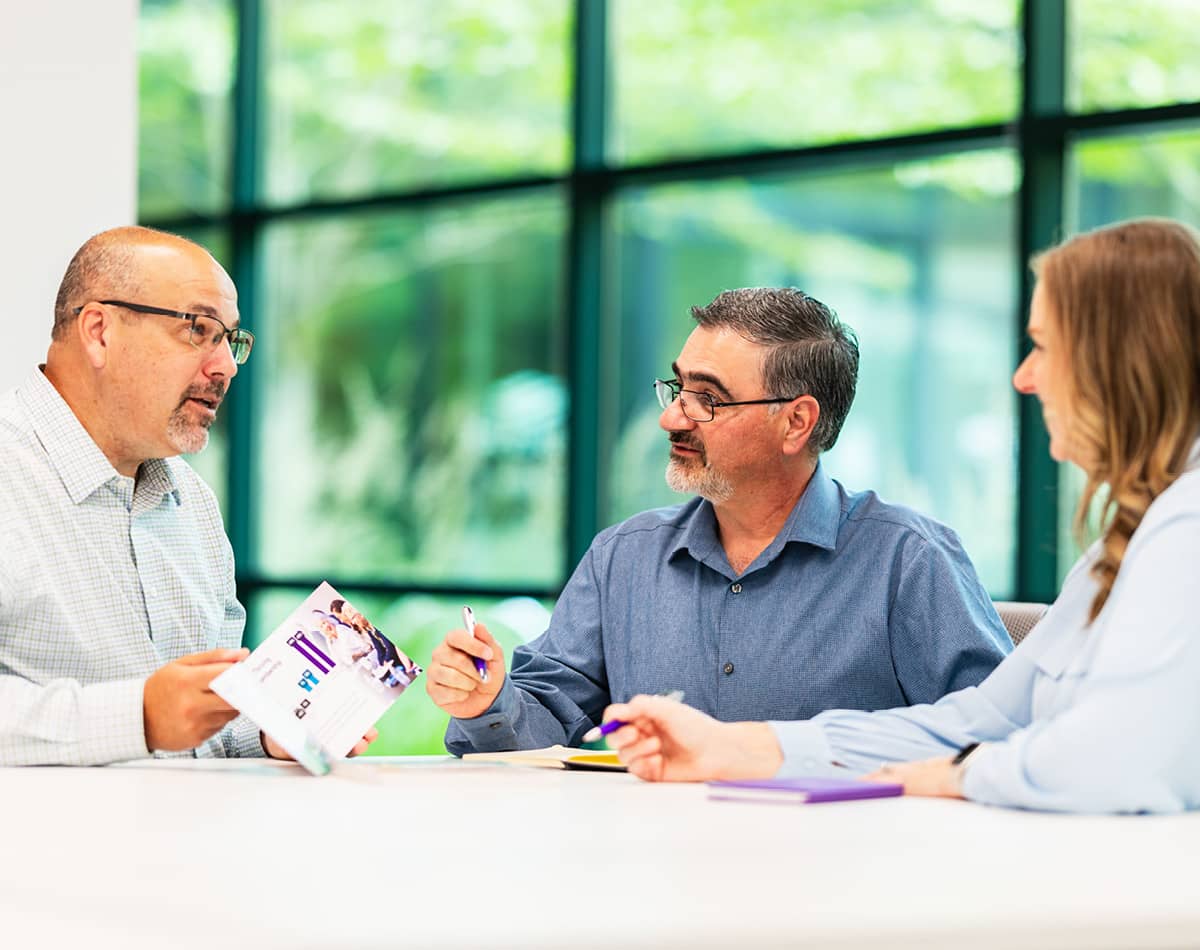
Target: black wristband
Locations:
point(961, 756)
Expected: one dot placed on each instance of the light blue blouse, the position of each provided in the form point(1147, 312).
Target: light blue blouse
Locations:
point(1100, 718)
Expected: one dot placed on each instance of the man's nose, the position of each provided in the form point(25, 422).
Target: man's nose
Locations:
point(220, 362)
point(674, 419)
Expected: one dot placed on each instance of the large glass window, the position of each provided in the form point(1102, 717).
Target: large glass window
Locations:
point(460, 307)
point(411, 393)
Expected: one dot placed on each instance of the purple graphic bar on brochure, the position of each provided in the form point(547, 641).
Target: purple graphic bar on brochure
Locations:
point(302, 645)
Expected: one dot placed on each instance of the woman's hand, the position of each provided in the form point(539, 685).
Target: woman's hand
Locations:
point(933, 778)
point(665, 741)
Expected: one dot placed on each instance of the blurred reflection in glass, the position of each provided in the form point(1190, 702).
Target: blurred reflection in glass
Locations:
point(410, 395)
point(1123, 54)
point(416, 624)
point(1120, 177)
point(185, 110)
point(915, 257)
point(377, 96)
point(695, 77)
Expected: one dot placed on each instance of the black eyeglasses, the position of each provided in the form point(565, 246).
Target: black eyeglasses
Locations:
point(205, 331)
point(701, 407)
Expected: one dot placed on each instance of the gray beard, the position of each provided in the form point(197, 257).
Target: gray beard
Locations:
point(187, 438)
point(702, 481)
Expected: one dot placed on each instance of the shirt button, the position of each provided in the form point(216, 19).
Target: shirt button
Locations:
point(736, 588)
point(728, 668)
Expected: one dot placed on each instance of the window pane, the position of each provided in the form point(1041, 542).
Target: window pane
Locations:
point(916, 257)
point(377, 96)
point(693, 76)
point(1134, 175)
point(185, 64)
point(411, 398)
point(416, 624)
point(1133, 54)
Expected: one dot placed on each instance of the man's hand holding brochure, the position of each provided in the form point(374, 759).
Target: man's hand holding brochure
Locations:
point(320, 681)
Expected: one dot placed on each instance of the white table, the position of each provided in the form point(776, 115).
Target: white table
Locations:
point(435, 853)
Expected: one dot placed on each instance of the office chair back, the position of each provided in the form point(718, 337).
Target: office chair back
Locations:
point(1019, 617)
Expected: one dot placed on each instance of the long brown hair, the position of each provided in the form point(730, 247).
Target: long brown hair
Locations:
point(1126, 303)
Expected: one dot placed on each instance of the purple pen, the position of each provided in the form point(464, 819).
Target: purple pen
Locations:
point(468, 616)
point(606, 728)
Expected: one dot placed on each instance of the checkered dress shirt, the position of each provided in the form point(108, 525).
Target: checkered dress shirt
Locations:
point(102, 581)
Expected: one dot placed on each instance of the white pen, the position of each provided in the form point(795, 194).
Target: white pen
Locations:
point(468, 616)
point(600, 731)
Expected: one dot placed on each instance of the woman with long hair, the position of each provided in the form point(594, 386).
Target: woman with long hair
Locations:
point(1097, 710)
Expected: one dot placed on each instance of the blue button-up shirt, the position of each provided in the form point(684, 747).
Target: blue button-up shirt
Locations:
point(856, 604)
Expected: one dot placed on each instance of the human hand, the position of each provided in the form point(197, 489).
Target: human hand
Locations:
point(666, 741)
point(452, 681)
point(276, 751)
point(179, 710)
point(934, 778)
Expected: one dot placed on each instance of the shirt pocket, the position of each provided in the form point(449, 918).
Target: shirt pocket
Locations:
point(1060, 669)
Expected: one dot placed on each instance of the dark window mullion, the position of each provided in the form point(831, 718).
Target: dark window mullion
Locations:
point(1041, 204)
point(244, 225)
point(585, 270)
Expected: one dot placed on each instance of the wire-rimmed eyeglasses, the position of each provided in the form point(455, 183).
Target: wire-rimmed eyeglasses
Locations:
point(205, 333)
point(698, 406)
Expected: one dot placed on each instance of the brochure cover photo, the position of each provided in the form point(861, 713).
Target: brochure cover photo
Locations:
point(320, 680)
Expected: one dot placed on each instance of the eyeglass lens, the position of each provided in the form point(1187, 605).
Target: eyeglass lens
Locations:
point(207, 334)
point(696, 406)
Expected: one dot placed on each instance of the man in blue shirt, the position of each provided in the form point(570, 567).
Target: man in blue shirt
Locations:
point(774, 594)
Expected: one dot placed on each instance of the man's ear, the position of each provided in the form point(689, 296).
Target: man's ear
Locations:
point(92, 330)
point(802, 416)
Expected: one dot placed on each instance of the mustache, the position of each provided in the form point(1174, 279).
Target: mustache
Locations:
point(683, 439)
point(214, 390)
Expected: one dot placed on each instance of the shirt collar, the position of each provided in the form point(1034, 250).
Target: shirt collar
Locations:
point(1193, 460)
point(73, 453)
point(814, 520)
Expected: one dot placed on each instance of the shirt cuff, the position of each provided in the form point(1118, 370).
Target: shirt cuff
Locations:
point(241, 739)
point(494, 729)
point(806, 751)
point(112, 724)
point(975, 784)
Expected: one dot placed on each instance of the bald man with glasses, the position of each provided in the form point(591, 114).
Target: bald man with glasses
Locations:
point(774, 591)
point(117, 599)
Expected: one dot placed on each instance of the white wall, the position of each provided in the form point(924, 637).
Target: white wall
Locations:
point(68, 152)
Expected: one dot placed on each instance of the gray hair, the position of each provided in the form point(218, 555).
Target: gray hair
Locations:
point(809, 351)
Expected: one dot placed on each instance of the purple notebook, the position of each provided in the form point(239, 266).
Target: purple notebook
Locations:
point(801, 791)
